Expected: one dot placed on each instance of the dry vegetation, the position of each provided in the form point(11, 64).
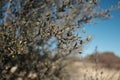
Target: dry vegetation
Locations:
point(106, 59)
point(88, 69)
point(36, 36)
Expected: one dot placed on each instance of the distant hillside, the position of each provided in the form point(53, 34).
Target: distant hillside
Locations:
point(108, 59)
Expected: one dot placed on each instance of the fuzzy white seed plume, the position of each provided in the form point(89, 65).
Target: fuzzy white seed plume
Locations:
point(13, 69)
point(88, 38)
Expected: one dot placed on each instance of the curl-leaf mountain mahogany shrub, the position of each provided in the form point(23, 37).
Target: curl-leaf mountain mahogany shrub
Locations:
point(36, 36)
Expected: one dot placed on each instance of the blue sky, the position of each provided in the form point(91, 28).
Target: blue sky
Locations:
point(106, 33)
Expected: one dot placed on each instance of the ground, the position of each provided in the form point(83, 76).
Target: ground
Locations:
point(82, 70)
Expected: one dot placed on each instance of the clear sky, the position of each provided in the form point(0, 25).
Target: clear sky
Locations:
point(106, 33)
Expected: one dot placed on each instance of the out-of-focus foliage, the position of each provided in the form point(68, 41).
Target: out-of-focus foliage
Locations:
point(37, 35)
